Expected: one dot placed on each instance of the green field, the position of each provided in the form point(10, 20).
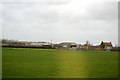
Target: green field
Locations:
point(46, 63)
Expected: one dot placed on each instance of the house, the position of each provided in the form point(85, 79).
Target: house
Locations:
point(107, 46)
point(67, 46)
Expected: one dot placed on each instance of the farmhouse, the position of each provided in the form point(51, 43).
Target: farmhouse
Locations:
point(106, 46)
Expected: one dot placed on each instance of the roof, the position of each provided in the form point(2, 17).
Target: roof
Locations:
point(66, 43)
point(106, 43)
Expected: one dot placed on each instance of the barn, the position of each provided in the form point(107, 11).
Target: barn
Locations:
point(67, 46)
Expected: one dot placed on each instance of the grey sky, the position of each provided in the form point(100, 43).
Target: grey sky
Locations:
point(63, 20)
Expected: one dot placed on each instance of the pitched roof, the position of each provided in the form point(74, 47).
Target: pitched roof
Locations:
point(106, 43)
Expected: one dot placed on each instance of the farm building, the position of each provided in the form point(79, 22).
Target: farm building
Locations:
point(106, 46)
point(90, 47)
point(67, 46)
point(41, 44)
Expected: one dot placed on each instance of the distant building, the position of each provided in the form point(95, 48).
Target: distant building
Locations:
point(41, 44)
point(67, 46)
point(106, 46)
point(90, 47)
point(35, 44)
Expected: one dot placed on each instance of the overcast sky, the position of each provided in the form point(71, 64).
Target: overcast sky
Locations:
point(61, 20)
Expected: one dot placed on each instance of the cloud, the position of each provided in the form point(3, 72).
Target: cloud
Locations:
point(73, 20)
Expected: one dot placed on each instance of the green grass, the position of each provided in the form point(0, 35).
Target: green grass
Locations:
point(40, 63)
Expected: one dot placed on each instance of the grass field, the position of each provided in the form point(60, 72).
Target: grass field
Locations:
point(45, 63)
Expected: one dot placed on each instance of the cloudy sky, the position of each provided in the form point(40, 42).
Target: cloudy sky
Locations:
point(61, 20)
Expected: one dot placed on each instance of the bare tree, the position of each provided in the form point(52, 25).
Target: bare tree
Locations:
point(87, 43)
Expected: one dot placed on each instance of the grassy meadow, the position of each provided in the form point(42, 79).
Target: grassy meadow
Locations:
point(48, 63)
